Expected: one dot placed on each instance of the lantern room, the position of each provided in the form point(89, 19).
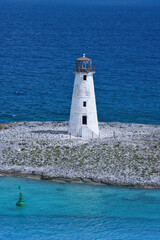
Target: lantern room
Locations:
point(84, 64)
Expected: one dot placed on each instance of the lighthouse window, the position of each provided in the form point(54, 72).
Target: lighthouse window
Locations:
point(84, 104)
point(85, 77)
point(84, 120)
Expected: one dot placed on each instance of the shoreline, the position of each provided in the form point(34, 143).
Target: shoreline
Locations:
point(125, 154)
point(73, 180)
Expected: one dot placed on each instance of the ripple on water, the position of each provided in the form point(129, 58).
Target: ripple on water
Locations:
point(77, 211)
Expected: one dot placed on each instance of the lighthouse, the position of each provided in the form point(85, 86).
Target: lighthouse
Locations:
point(83, 120)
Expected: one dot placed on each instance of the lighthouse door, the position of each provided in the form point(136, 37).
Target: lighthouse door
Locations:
point(84, 120)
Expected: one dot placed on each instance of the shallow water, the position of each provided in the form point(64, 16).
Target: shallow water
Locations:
point(77, 211)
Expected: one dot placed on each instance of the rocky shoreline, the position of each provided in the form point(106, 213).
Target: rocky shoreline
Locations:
point(13, 173)
point(125, 154)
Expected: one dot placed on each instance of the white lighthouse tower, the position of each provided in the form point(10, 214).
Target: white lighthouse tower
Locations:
point(83, 115)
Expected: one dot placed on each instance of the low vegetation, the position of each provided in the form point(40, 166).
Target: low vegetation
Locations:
point(122, 160)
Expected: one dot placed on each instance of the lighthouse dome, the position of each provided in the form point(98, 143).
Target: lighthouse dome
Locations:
point(83, 58)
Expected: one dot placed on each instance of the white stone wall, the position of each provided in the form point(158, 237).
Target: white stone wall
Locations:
point(83, 91)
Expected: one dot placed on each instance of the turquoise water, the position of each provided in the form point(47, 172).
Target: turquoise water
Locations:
point(77, 211)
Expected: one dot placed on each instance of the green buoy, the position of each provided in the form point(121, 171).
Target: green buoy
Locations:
point(20, 203)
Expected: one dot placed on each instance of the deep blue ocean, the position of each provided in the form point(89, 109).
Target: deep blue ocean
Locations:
point(41, 39)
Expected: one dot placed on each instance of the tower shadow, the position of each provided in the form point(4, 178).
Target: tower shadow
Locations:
point(50, 132)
